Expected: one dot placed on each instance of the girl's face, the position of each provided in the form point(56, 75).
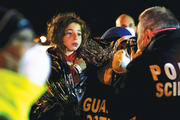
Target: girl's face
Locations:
point(73, 37)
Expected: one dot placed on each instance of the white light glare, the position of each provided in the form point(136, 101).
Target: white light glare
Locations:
point(43, 39)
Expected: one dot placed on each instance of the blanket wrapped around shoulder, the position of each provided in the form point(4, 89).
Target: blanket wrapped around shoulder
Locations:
point(97, 52)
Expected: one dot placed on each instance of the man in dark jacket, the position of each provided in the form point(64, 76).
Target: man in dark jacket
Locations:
point(152, 88)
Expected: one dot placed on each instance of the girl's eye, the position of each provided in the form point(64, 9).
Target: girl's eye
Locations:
point(68, 33)
point(79, 34)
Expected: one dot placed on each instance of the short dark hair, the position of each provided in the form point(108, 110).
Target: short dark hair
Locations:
point(158, 17)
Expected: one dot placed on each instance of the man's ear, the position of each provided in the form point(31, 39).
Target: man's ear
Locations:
point(148, 34)
point(147, 37)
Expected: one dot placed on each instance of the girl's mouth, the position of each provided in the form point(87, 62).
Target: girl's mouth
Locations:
point(75, 44)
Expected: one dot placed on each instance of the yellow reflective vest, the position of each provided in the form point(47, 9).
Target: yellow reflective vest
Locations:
point(17, 94)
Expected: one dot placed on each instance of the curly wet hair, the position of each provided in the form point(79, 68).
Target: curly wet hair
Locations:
point(56, 29)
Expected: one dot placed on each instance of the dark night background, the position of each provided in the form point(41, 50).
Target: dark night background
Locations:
point(100, 15)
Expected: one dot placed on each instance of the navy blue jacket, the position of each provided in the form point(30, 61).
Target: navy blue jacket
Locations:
point(152, 82)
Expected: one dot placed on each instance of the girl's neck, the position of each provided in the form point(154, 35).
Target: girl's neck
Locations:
point(69, 53)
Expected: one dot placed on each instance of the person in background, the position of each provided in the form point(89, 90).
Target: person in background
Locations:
point(151, 89)
point(22, 73)
point(127, 22)
point(117, 37)
point(67, 33)
point(99, 54)
point(97, 100)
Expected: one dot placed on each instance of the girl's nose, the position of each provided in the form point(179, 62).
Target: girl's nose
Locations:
point(75, 36)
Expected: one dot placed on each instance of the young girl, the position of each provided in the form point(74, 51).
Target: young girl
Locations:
point(67, 34)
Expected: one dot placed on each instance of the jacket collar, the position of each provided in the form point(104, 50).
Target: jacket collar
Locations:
point(52, 52)
point(163, 39)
